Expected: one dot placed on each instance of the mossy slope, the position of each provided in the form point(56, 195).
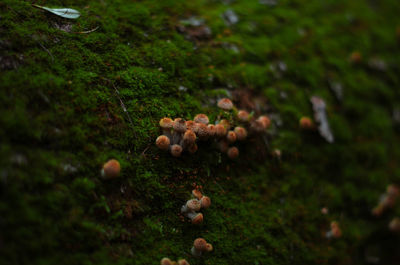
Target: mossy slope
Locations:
point(62, 117)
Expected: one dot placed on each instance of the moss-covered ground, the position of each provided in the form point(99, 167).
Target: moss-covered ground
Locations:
point(62, 97)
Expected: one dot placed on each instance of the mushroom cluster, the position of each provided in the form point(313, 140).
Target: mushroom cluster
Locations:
point(200, 246)
point(387, 200)
point(191, 207)
point(180, 135)
point(167, 261)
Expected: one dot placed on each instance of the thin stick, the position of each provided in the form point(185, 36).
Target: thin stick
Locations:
point(88, 31)
point(44, 48)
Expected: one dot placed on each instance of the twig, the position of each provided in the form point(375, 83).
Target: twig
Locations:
point(122, 105)
point(44, 48)
point(88, 31)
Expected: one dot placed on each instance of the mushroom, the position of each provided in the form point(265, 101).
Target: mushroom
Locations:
point(179, 126)
point(220, 131)
point(200, 245)
point(225, 123)
point(197, 218)
point(225, 104)
point(394, 225)
point(201, 130)
point(166, 261)
point(243, 116)
point(176, 150)
point(211, 130)
point(223, 145)
point(166, 124)
point(233, 152)
point(265, 121)
point(111, 169)
point(205, 202)
point(163, 142)
point(201, 118)
point(231, 137)
point(257, 126)
point(306, 123)
point(192, 205)
point(197, 194)
point(192, 149)
point(190, 125)
point(387, 200)
point(241, 133)
point(335, 231)
point(189, 138)
point(183, 262)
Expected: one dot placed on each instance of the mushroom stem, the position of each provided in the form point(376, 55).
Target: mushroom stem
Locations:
point(176, 137)
point(196, 252)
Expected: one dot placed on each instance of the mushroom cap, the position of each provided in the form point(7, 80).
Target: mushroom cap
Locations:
point(257, 126)
point(225, 104)
point(336, 232)
point(211, 130)
point(200, 244)
point(201, 118)
point(243, 116)
point(220, 130)
point(197, 194)
point(205, 202)
point(163, 142)
point(241, 133)
point(355, 57)
point(183, 262)
point(223, 146)
point(193, 205)
point(193, 148)
point(335, 229)
point(394, 225)
point(266, 122)
point(334, 224)
point(166, 261)
point(201, 130)
point(176, 150)
point(189, 137)
point(225, 123)
point(198, 219)
point(392, 190)
point(378, 210)
point(190, 125)
point(306, 123)
point(209, 247)
point(233, 152)
point(111, 169)
point(231, 137)
point(166, 123)
point(179, 125)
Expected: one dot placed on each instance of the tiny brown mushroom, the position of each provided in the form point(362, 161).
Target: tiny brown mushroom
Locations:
point(225, 104)
point(111, 169)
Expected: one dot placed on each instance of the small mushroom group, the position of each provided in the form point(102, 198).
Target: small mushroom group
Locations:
point(387, 200)
point(191, 207)
point(167, 261)
point(200, 246)
point(180, 135)
point(335, 231)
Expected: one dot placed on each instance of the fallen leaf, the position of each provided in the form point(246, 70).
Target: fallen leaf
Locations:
point(62, 12)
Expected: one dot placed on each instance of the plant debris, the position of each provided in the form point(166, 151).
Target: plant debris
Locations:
point(319, 107)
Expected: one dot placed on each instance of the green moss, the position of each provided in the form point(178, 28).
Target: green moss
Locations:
point(70, 101)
